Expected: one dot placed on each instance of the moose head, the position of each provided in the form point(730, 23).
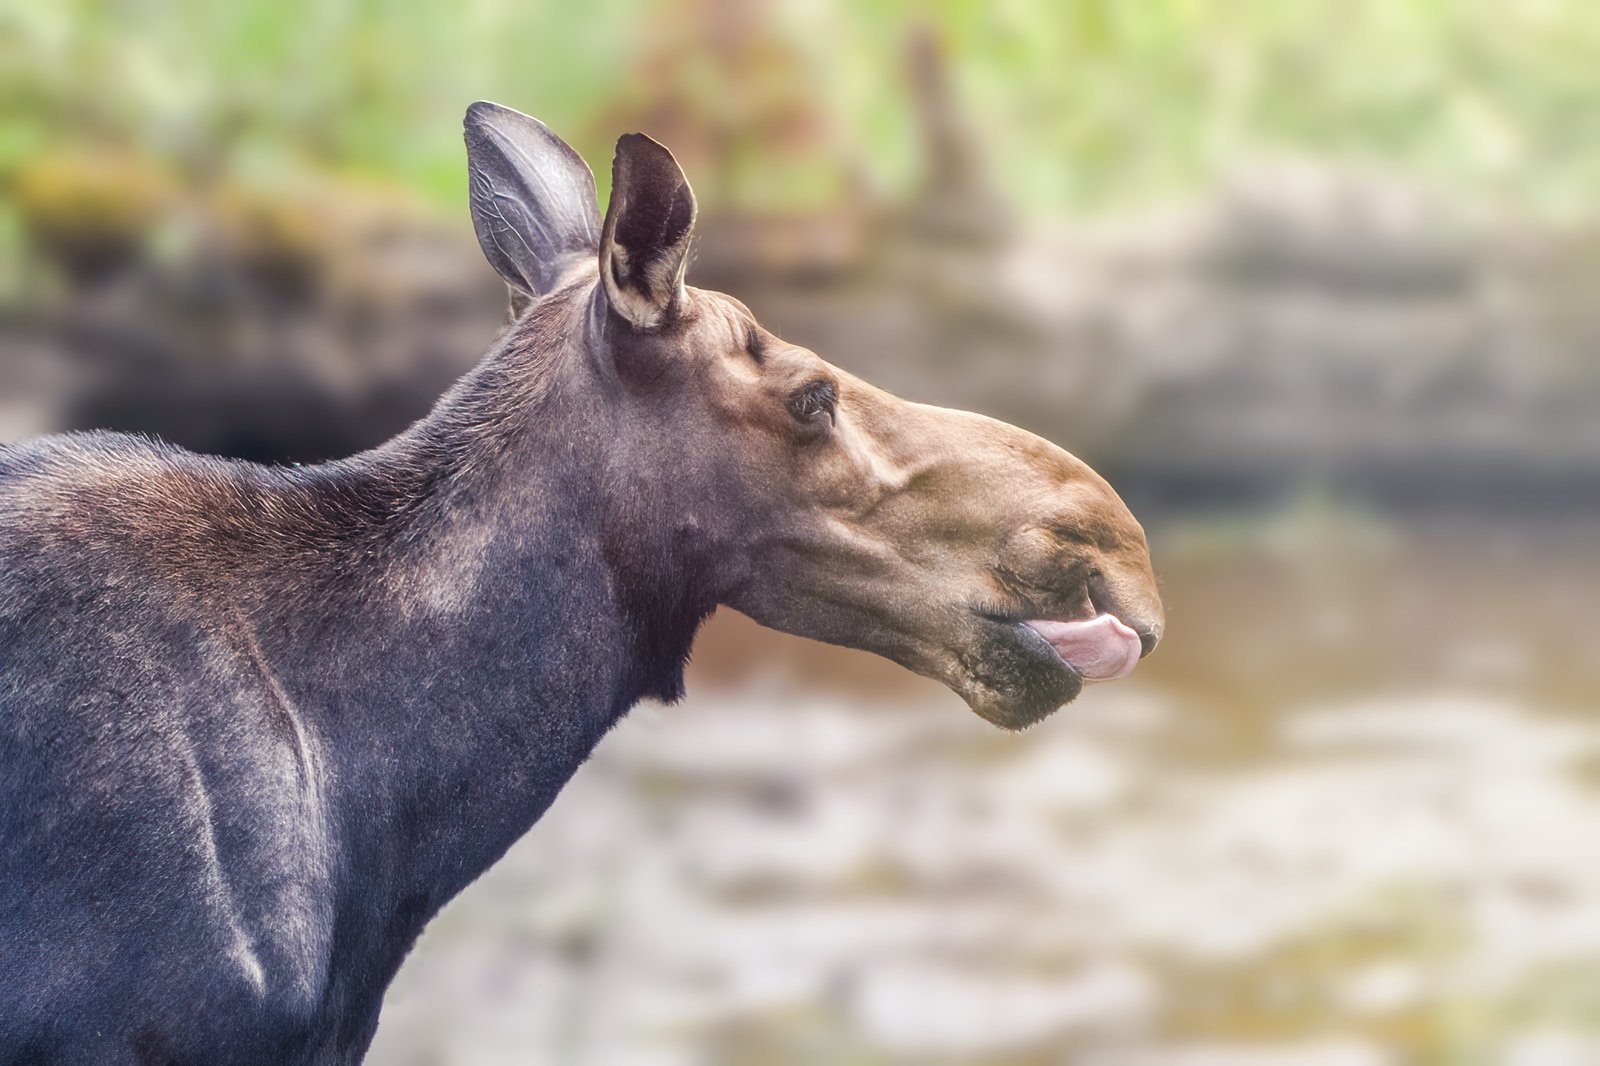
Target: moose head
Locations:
point(963, 548)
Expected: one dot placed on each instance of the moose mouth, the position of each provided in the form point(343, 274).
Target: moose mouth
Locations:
point(1030, 668)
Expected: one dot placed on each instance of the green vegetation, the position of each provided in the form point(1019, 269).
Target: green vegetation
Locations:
point(1080, 105)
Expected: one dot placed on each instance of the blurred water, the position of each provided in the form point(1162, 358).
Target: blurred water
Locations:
point(1348, 814)
point(1343, 817)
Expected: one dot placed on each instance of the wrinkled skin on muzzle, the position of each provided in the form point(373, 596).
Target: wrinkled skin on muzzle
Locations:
point(963, 548)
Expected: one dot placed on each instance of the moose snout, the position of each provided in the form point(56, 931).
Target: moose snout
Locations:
point(1133, 603)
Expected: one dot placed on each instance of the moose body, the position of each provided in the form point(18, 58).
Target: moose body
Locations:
point(258, 725)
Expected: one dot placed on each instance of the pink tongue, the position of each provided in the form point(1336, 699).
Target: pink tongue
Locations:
point(1099, 649)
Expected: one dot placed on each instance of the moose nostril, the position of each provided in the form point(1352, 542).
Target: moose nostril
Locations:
point(1148, 639)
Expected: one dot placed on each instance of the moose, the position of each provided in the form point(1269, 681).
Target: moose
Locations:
point(258, 724)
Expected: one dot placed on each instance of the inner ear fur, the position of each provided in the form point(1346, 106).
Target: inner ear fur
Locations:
point(649, 225)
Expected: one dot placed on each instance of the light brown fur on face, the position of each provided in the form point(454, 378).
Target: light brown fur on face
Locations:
point(923, 534)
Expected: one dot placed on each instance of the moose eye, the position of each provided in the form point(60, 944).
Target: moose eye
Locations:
point(812, 401)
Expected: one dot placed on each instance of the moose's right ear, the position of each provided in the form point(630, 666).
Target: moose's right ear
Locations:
point(533, 202)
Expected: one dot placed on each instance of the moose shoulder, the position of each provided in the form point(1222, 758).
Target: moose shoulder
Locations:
point(257, 725)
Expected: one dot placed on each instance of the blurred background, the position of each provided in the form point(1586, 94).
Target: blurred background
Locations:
point(1317, 285)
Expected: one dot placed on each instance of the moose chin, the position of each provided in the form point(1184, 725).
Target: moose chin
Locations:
point(259, 724)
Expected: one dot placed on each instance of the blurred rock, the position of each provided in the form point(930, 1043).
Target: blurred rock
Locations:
point(293, 324)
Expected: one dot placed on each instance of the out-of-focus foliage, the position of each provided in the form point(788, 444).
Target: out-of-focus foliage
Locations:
point(1083, 102)
point(1337, 347)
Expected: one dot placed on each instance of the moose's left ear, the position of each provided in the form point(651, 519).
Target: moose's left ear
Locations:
point(645, 246)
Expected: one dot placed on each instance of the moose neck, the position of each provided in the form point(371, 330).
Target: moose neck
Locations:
point(509, 611)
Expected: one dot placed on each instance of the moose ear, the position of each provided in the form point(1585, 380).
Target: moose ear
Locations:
point(533, 203)
point(648, 227)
